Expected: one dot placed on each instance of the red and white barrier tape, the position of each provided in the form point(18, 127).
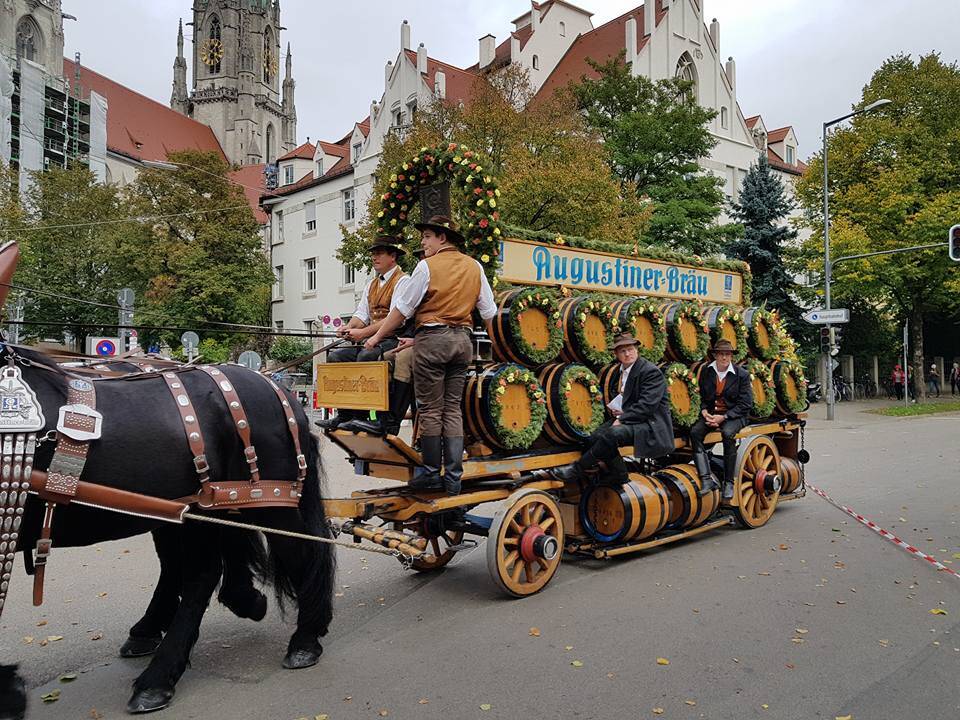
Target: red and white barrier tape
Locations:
point(886, 534)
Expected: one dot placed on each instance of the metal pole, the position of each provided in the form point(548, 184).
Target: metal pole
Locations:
point(831, 399)
point(906, 373)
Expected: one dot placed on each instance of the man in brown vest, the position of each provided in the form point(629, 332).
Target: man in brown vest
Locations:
point(378, 297)
point(442, 294)
point(726, 398)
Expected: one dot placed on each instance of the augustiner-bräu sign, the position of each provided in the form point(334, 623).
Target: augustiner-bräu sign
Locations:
point(532, 263)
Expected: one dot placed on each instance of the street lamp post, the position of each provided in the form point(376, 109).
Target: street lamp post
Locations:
point(827, 267)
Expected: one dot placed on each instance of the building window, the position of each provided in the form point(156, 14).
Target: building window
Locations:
point(320, 167)
point(214, 48)
point(791, 155)
point(411, 111)
point(288, 174)
point(310, 275)
point(563, 29)
point(349, 275)
point(279, 325)
point(397, 117)
point(269, 157)
point(310, 215)
point(724, 120)
point(356, 151)
point(278, 282)
point(269, 59)
point(686, 70)
point(28, 38)
point(536, 62)
point(348, 205)
point(279, 226)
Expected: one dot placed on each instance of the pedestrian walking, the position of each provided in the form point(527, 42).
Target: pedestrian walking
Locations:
point(933, 380)
point(955, 379)
point(898, 377)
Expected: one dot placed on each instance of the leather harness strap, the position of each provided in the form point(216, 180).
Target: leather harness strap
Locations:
point(191, 425)
point(292, 426)
point(240, 421)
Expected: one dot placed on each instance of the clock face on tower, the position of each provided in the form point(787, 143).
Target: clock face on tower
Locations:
point(269, 63)
point(211, 52)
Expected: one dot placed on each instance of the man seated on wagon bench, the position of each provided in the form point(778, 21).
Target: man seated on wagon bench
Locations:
point(642, 418)
point(377, 300)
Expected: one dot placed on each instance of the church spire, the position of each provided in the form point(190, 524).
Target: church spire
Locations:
point(289, 108)
point(179, 100)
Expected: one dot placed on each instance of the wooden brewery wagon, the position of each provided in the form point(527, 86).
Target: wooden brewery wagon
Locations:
point(539, 387)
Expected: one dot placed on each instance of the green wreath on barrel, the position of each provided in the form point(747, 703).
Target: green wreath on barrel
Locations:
point(602, 309)
point(693, 313)
point(798, 404)
point(740, 327)
point(651, 311)
point(516, 375)
point(762, 316)
point(678, 372)
point(759, 371)
point(587, 378)
point(546, 302)
point(463, 168)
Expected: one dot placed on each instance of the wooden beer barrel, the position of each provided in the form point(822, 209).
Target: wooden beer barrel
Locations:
point(643, 319)
point(687, 337)
point(790, 385)
point(609, 377)
point(789, 475)
point(572, 414)
point(504, 406)
point(761, 333)
point(684, 393)
point(725, 323)
point(687, 508)
point(588, 329)
point(761, 383)
point(634, 511)
point(526, 328)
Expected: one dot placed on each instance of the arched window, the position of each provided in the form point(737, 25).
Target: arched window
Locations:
point(28, 38)
point(269, 156)
point(214, 46)
point(686, 70)
point(723, 117)
point(536, 62)
point(269, 57)
point(563, 29)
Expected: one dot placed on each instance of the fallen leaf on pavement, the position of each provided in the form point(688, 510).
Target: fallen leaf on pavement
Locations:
point(534, 632)
point(938, 611)
point(348, 698)
point(97, 636)
point(69, 677)
point(422, 701)
point(790, 666)
point(568, 647)
point(801, 631)
point(841, 602)
point(658, 711)
point(51, 696)
point(798, 641)
point(41, 623)
point(691, 703)
point(844, 717)
point(576, 663)
point(55, 638)
point(383, 713)
point(884, 643)
point(95, 714)
point(486, 706)
point(27, 639)
point(662, 661)
point(322, 716)
point(764, 706)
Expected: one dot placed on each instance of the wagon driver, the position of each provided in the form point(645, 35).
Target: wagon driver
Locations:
point(441, 295)
point(726, 398)
point(378, 297)
point(641, 418)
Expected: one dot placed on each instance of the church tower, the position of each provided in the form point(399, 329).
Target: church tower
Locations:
point(179, 100)
point(236, 83)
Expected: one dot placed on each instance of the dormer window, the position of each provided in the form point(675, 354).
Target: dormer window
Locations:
point(791, 155)
point(536, 62)
point(563, 29)
point(288, 174)
point(356, 151)
point(320, 167)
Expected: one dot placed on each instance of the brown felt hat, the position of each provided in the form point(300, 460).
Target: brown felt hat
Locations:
point(623, 340)
point(722, 346)
point(443, 225)
point(387, 242)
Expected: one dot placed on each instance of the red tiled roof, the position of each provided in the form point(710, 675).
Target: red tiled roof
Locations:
point(775, 136)
point(364, 126)
point(304, 152)
point(141, 128)
point(459, 82)
point(778, 163)
point(341, 167)
point(252, 179)
point(751, 121)
point(332, 149)
point(600, 44)
point(501, 55)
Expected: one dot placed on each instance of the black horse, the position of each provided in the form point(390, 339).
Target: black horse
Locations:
point(143, 449)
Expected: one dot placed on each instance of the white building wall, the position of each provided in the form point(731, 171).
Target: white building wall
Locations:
point(547, 44)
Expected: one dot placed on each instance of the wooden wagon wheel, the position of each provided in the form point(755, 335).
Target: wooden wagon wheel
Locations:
point(439, 542)
point(525, 543)
point(758, 469)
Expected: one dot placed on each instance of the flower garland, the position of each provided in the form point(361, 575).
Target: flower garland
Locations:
point(691, 313)
point(464, 169)
point(545, 301)
point(651, 311)
point(515, 375)
point(728, 314)
point(594, 305)
point(798, 404)
point(762, 408)
point(762, 316)
point(677, 372)
point(586, 377)
point(787, 346)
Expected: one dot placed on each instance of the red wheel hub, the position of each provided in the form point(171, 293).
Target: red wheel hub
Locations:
point(527, 540)
point(758, 481)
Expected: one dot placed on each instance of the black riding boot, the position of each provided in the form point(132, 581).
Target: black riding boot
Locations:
point(427, 477)
point(729, 472)
point(400, 403)
point(616, 474)
point(701, 462)
point(452, 464)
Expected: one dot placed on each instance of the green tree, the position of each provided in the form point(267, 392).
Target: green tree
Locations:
point(894, 183)
point(762, 208)
point(654, 135)
point(286, 348)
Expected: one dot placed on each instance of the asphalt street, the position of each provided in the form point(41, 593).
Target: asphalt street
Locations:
point(811, 616)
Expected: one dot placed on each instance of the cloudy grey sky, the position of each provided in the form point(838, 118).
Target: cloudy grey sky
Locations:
point(799, 62)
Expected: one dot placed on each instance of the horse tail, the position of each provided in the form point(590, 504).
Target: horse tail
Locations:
point(316, 561)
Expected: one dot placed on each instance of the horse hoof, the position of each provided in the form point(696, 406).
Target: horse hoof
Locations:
point(138, 647)
point(149, 700)
point(299, 659)
point(253, 605)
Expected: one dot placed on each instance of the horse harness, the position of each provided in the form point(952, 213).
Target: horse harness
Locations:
point(79, 423)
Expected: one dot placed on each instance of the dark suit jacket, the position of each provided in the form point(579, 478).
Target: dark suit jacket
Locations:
point(646, 410)
point(737, 393)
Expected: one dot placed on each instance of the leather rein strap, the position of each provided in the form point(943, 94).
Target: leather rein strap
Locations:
point(239, 415)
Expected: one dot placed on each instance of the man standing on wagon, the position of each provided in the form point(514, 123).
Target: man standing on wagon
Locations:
point(442, 293)
point(378, 297)
point(726, 397)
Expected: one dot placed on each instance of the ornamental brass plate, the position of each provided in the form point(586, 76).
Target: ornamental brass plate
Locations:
point(353, 385)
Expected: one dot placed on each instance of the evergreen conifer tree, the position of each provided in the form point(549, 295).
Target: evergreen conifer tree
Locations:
point(763, 206)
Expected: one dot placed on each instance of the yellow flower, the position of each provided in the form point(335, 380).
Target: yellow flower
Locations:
point(479, 203)
point(496, 281)
point(493, 203)
point(496, 231)
point(393, 177)
point(380, 214)
point(485, 258)
point(496, 192)
point(393, 222)
point(469, 178)
point(456, 159)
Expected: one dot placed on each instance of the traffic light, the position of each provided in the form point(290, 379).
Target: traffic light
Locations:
point(825, 340)
point(836, 335)
point(955, 243)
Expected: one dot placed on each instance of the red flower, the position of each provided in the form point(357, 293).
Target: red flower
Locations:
point(496, 214)
point(477, 191)
point(399, 196)
point(489, 193)
point(473, 213)
point(472, 166)
point(468, 154)
point(484, 222)
point(452, 146)
point(450, 165)
point(401, 177)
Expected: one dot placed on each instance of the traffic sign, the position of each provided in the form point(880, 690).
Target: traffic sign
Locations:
point(834, 364)
point(190, 340)
point(106, 347)
point(250, 359)
point(823, 317)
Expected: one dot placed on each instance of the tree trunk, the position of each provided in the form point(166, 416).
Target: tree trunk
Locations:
point(916, 329)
